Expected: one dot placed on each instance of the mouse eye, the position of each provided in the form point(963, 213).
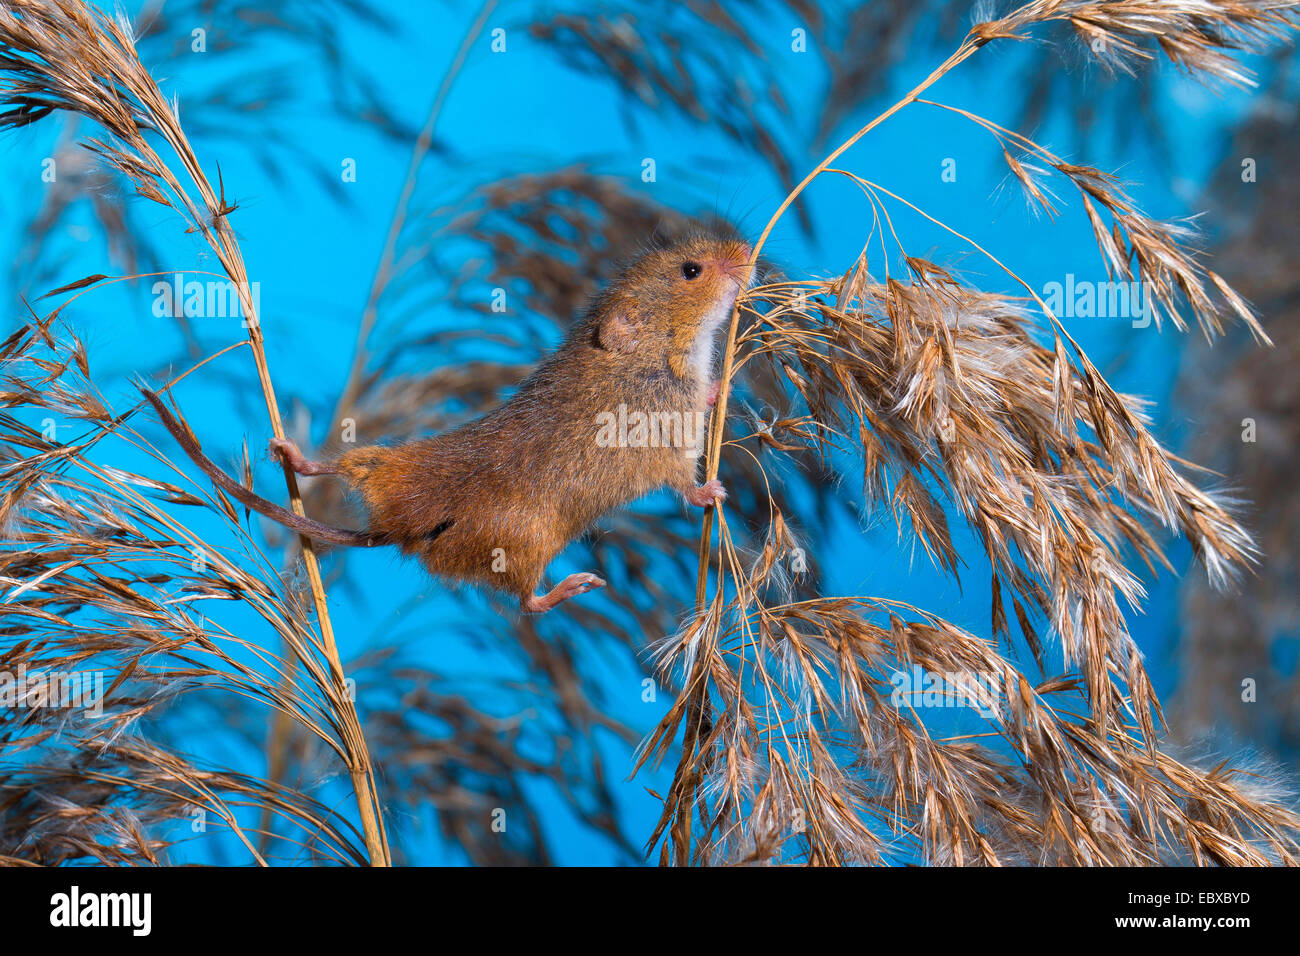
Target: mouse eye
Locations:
point(691, 270)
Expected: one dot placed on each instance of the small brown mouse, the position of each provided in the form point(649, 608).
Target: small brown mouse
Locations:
point(493, 501)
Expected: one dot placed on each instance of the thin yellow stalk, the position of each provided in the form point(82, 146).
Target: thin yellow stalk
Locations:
point(384, 271)
point(963, 52)
point(216, 229)
point(279, 738)
point(696, 707)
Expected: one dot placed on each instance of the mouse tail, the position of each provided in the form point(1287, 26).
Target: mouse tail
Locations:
point(290, 519)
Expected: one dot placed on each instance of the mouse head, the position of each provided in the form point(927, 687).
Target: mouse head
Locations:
point(674, 298)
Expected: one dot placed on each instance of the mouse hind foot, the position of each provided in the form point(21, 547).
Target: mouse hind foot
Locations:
point(571, 586)
point(286, 450)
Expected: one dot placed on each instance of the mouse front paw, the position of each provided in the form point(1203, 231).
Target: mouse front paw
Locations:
point(709, 493)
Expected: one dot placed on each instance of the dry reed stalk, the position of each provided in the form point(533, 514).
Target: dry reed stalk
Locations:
point(101, 580)
point(102, 576)
point(247, 112)
point(278, 741)
point(64, 55)
point(543, 237)
point(477, 768)
point(900, 372)
point(949, 399)
point(384, 270)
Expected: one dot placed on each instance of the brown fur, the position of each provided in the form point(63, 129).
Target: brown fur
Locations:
point(493, 501)
point(530, 476)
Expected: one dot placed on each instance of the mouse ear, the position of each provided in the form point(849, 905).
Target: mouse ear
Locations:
point(619, 333)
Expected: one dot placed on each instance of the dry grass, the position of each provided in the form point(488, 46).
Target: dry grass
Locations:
point(487, 762)
point(100, 577)
point(952, 404)
point(946, 397)
point(67, 56)
point(253, 116)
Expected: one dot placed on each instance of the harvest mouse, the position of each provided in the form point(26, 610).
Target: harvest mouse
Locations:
point(493, 501)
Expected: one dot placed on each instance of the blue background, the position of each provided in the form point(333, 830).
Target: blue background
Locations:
point(526, 111)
